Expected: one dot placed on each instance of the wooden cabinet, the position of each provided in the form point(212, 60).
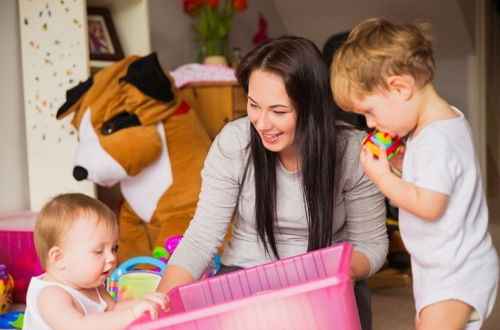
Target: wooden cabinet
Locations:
point(216, 103)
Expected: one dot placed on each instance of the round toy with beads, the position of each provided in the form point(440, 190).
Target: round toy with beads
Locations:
point(376, 139)
point(6, 289)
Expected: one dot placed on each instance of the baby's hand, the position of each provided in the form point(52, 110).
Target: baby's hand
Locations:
point(159, 298)
point(374, 168)
point(151, 302)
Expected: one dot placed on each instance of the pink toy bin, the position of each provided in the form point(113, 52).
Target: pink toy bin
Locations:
point(18, 250)
point(309, 291)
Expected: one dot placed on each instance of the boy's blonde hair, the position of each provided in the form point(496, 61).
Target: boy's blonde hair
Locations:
point(375, 50)
point(59, 214)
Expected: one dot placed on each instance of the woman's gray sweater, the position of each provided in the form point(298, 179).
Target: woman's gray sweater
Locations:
point(359, 212)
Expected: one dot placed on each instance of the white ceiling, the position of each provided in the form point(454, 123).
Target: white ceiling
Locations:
point(317, 20)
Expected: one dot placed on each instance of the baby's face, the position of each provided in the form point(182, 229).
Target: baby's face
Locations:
point(89, 252)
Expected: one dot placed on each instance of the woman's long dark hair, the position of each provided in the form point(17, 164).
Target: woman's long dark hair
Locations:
point(299, 62)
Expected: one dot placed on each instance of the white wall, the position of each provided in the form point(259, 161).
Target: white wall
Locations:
point(14, 191)
point(171, 34)
point(450, 79)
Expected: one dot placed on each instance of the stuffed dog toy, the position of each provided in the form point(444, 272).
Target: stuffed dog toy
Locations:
point(134, 129)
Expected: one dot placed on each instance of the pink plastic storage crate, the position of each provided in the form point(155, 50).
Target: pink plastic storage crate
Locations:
point(18, 251)
point(309, 291)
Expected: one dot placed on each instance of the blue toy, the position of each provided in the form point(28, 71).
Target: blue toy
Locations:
point(127, 283)
point(120, 281)
point(11, 320)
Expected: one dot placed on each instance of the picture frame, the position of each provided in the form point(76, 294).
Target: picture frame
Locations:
point(104, 44)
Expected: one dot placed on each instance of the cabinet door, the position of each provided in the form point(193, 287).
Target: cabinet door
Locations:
point(212, 103)
point(239, 102)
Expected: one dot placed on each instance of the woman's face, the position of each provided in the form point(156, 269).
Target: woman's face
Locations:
point(271, 112)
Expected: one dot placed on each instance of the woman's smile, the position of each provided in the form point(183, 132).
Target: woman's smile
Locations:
point(270, 138)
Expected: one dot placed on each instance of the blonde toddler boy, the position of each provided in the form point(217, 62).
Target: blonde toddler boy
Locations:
point(384, 71)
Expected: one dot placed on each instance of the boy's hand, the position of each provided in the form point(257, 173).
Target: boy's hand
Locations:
point(374, 168)
point(151, 303)
point(397, 161)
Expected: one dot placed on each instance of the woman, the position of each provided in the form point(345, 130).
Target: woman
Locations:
point(291, 178)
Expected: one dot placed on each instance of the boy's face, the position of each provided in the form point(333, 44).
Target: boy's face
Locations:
point(388, 112)
point(89, 253)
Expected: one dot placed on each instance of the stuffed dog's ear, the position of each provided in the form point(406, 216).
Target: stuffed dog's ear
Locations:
point(150, 90)
point(147, 76)
point(74, 97)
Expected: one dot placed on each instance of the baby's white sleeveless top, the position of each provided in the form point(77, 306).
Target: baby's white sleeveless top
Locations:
point(32, 319)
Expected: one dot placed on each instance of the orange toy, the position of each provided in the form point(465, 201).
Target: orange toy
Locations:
point(135, 130)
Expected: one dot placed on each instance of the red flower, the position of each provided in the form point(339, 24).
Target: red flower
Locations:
point(213, 3)
point(240, 5)
point(191, 6)
point(261, 34)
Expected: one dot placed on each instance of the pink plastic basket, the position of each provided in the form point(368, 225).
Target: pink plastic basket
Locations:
point(18, 251)
point(308, 291)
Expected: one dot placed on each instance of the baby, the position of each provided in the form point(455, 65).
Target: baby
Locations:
point(75, 239)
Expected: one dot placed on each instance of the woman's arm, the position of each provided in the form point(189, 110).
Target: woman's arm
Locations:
point(221, 179)
point(365, 213)
point(173, 277)
point(360, 266)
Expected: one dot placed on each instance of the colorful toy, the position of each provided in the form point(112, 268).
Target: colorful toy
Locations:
point(11, 320)
point(6, 288)
point(160, 253)
point(164, 252)
point(376, 139)
point(135, 129)
point(126, 283)
point(309, 291)
point(171, 243)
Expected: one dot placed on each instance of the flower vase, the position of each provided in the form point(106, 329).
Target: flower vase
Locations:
point(214, 51)
point(215, 60)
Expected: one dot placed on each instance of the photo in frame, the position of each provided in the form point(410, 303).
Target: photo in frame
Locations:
point(104, 44)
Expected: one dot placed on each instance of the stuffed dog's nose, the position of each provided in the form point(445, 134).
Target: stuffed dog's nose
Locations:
point(80, 173)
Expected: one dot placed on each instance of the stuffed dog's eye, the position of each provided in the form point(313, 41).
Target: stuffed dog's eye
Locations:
point(120, 121)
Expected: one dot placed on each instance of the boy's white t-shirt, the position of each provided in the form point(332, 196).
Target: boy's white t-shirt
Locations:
point(452, 257)
point(32, 319)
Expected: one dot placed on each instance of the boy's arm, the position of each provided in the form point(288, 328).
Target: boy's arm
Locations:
point(423, 203)
point(58, 309)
